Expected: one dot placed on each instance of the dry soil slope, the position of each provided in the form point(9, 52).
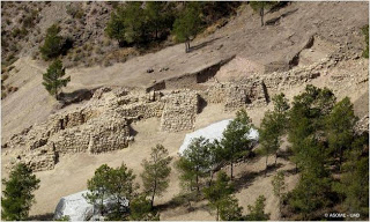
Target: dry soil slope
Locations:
point(243, 37)
point(336, 22)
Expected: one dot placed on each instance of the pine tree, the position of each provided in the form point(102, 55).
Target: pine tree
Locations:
point(307, 117)
point(99, 188)
point(187, 24)
point(53, 81)
point(17, 196)
point(159, 17)
point(315, 185)
point(115, 27)
point(281, 104)
point(156, 172)
point(116, 184)
point(365, 31)
point(141, 210)
point(354, 182)
point(235, 142)
point(218, 193)
point(257, 212)
point(340, 127)
point(53, 43)
point(135, 23)
point(279, 187)
point(269, 135)
point(273, 127)
point(260, 6)
point(230, 209)
point(121, 188)
point(195, 164)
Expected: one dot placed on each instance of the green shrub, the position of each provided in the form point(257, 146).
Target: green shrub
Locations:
point(54, 43)
point(75, 11)
point(4, 77)
point(53, 81)
point(365, 31)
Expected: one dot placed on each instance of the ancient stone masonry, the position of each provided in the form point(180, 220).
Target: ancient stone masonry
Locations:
point(234, 95)
point(293, 77)
point(101, 125)
point(179, 110)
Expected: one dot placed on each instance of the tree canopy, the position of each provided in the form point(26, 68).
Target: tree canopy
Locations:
point(117, 184)
point(188, 23)
point(53, 81)
point(156, 172)
point(54, 44)
point(235, 142)
point(219, 196)
point(195, 163)
point(18, 196)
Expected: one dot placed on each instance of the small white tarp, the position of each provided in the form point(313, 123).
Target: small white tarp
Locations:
point(75, 206)
point(213, 132)
point(78, 209)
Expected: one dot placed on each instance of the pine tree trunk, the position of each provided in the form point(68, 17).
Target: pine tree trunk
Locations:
point(262, 12)
point(187, 46)
point(231, 169)
point(153, 195)
point(296, 167)
point(197, 182)
point(275, 159)
point(340, 159)
point(217, 213)
point(266, 165)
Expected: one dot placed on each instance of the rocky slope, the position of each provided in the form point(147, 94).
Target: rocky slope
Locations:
point(239, 66)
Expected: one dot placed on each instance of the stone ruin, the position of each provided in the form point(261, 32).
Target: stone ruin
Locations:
point(179, 111)
point(103, 123)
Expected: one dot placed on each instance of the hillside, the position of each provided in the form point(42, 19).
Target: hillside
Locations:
point(239, 65)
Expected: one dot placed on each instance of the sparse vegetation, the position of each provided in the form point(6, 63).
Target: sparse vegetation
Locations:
point(273, 126)
point(53, 81)
point(219, 196)
point(187, 24)
point(156, 172)
point(18, 194)
point(260, 6)
point(321, 135)
point(235, 144)
point(53, 44)
point(365, 31)
point(195, 164)
point(112, 183)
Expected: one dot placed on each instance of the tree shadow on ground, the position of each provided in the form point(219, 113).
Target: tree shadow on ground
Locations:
point(41, 217)
point(247, 178)
point(275, 20)
point(203, 44)
point(76, 96)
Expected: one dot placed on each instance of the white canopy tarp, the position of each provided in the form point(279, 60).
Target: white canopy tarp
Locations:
point(213, 132)
point(75, 206)
point(78, 209)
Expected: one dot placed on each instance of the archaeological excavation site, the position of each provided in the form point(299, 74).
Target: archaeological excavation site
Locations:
point(183, 111)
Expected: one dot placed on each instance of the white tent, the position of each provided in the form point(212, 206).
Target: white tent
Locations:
point(75, 206)
point(213, 132)
point(78, 209)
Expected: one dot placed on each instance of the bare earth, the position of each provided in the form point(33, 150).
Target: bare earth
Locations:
point(253, 46)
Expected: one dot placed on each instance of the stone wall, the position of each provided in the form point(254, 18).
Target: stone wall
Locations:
point(235, 95)
point(179, 111)
point(101, 125)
